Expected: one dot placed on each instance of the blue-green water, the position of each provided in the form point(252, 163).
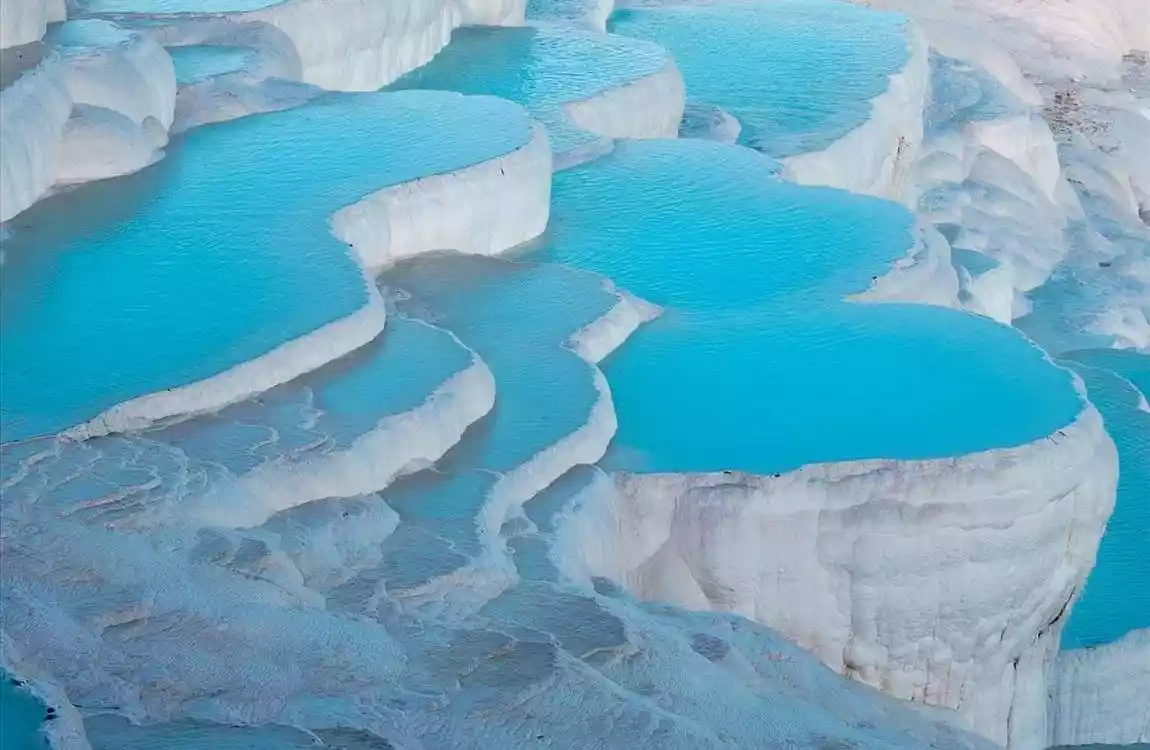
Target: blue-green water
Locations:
point(542, 69)
point(216, 255)
point(797, 74)
point(21, 714)
point(758, 364)
point(555, 11)
point(198, 62)
point(86, 34)
point(1116, 599)
point(517, 317)
point(328, 409)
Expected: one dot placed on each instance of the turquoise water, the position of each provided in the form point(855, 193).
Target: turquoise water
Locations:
point(542, 69)
point(758, 364)
point(560, 10)
point(21, 714)
point(797, 74)
point(216, 255)
point(517, 317)
point(1116, 599)
point(198, 62)
point(86, 33)
point(974, 262)
point(326, 410)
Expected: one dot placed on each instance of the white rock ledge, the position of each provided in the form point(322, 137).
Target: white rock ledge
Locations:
point(876, 157)
point(648, 107)
point(121, 95)
point(399, 444)
point(33, 111)
point(1095, 693)
point(494, 571)
point(283, 363)
point(24, 21)
point(483, 209)
point(359, 45)
point(890, 571)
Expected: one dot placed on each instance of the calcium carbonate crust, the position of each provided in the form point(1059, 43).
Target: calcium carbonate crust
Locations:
point(399, 444)
point(875, 158)
point(24, 21)
point(1098, 695)
point(33, 111)
point(269, 80)
point(889, 571)
point(466, 590)
point(483, 209)
point(120, 96)
point(648, 107)
point(357, 45)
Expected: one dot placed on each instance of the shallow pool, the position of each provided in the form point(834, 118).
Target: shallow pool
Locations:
point(758, 363)
point(517, 317)
point(542, 69)
point(198, 62)
point(797, 74)
point(216, 255)
point(1116, 599)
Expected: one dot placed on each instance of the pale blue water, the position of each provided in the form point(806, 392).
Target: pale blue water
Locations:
point(21, 714)
point(758, 364)
point(198, 62)
point(541, 69)
point(216, 255)
point(1116, 599)
point(797, 74)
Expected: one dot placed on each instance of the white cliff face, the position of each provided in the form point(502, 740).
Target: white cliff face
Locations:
point(875, 158)
point(355, 45)
point(33, 111)
point(1050, 38)
point(98, 143)
point(481, 210)
point(268, 80)
point(889, 571)
point(124, 71)
point(650, 107)
point(1098, 695)
point(492, 12)
point(24, 21)
point(118, 88)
